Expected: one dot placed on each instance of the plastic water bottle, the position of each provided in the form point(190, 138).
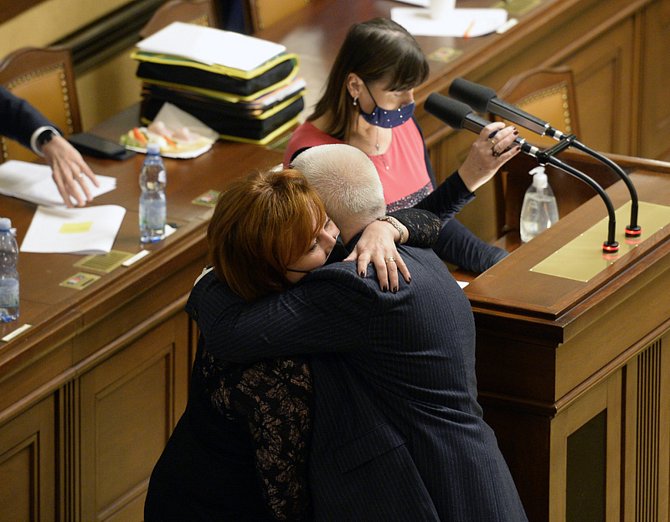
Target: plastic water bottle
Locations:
point(153, 179)
point(9, 276)
point(539, 210)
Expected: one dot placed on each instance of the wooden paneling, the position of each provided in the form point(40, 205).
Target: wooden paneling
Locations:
point(653, 139)
point(129, 404)
point(604, 78)
point(28, 465)
point(647, 462)
point(69, 454)
point(606, 397)
point(41, 23)
point(11, 8)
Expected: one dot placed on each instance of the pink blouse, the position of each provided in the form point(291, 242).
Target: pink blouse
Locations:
point(402, 168)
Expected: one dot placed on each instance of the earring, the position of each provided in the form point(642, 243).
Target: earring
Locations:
point(355, 101)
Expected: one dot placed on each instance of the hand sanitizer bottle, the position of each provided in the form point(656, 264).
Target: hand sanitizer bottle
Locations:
point(539, 210)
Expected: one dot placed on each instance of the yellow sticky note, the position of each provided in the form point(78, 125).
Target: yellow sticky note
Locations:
point(76, 228)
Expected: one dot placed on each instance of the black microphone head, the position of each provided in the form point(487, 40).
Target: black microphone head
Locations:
point(450, 111)
point(475, 95)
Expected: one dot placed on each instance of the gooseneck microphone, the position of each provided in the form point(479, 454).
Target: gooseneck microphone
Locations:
point(485, 99)
point(461, 116)
point(633, 229)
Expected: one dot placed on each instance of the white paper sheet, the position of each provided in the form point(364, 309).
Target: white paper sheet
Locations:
point(460, 22)
point(174, 118)
point(32, 182)
point(211, 46)
point(89, 230)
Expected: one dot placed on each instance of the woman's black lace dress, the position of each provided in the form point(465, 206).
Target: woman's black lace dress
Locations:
point(272, 397)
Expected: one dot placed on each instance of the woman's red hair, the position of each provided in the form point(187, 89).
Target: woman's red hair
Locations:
point(261, 225)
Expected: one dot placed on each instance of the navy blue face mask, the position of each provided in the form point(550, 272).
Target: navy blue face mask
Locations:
point(387, 119)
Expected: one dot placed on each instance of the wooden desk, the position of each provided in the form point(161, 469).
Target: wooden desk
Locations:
point(574, 376)
point(89, 395)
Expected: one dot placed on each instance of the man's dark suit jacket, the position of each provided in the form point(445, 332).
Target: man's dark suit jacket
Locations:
point(19, 119)
point(398, 433)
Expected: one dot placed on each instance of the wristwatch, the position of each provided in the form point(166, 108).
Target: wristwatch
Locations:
point(45, 137)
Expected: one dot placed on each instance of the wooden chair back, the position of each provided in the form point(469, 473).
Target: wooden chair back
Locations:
point(200, 12)
point(264, 13)
point(549, 94)
point(45, 78)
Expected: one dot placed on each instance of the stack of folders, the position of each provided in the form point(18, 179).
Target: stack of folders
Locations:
point(245, 88)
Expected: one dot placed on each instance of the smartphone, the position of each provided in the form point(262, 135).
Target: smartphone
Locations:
point(93, 145)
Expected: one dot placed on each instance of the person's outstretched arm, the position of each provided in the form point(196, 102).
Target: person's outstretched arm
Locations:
point(22, 122)
point(302, 319)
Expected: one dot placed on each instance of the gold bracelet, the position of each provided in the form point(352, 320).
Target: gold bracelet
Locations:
point(395, 224)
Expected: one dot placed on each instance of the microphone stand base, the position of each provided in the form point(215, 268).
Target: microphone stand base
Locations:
point(635, 231)
point(610, 247)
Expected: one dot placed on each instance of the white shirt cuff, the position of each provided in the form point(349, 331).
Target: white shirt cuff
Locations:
point(38, 131)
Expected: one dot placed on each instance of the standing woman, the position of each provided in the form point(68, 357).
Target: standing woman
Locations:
point(239, 452)
point(368, 102)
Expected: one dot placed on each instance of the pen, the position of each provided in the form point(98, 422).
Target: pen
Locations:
point(466, 34)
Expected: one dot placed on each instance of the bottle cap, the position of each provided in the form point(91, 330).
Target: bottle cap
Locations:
point(5, 224)
point(539, 177)
point(153, 148)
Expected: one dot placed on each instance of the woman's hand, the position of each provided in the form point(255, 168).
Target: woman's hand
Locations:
point(377, 246)
point(70, 172)
point(490, 151)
